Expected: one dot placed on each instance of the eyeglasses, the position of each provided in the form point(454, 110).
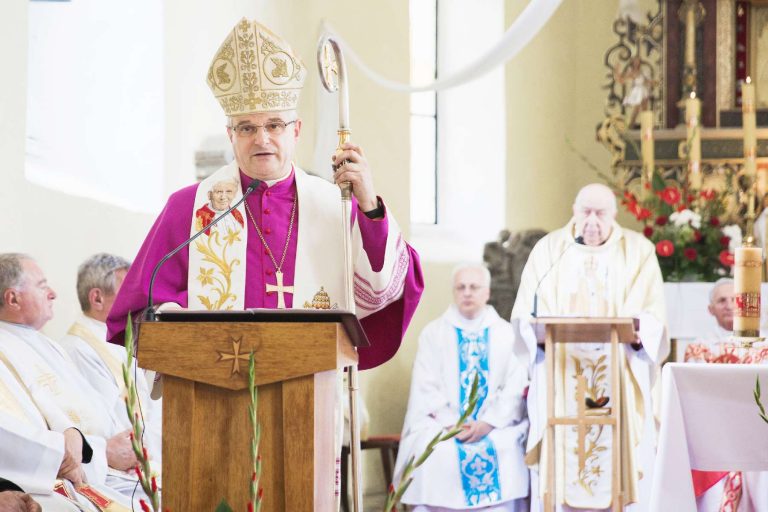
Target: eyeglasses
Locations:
point(273, 128)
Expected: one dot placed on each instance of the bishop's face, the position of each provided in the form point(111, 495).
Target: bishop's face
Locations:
point(593, 218)
point(470, 291)
point(35, 296)
point(264, 143)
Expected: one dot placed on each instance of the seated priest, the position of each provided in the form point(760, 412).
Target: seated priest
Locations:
point(61, 469)
point(98, 280)
point(724, 490)
point(593, 267)
point(482, 468)
point(289, 254)
point(59, 392)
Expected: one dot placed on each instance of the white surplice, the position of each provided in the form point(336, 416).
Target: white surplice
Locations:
point(434, 405)
point(620, 278)
point(31, 454)
point(63, 397)
point(101, 364)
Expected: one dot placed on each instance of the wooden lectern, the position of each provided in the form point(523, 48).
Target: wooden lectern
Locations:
point(551, 330)
point(203, 357)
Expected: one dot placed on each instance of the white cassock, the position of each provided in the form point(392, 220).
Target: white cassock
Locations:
point(620, 278)
point(101, 364)
point(491, 472)
point(31, 454)
point(63, 396)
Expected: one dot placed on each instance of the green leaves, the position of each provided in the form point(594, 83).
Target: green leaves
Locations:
point(394, 496)
point(756, 394)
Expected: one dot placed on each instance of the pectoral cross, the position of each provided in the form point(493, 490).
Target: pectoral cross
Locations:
point(280, 289)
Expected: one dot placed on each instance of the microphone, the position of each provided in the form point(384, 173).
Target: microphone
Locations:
point(578, 240)
point(150, 314)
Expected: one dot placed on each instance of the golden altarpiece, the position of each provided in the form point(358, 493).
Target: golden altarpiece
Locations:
point(701, 48)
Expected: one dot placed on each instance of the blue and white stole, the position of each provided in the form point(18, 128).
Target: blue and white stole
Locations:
point(478, 462)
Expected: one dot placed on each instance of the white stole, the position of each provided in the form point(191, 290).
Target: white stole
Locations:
point(216, 277)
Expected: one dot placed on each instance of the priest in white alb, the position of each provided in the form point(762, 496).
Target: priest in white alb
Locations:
point(59, 469)
point(45, 371)
point(482, 468)
point(593, 267)
point(98, 281)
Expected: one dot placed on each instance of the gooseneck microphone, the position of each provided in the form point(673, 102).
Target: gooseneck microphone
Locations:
point(150, 313)
point(578, 240)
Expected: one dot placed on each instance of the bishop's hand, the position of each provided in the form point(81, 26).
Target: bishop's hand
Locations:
point(354, 168)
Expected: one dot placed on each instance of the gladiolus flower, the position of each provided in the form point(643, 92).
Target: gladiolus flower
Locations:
point(137, 470)
point(250, 506)
point(726, 258)
point(707, 195)
point(144, 451)
point(647, 186)
point(260, 494)
point(144, 506)
point(690, 253)
point(665, 248)
point(662, 220)
point(647, 231)
point(670, 195)
point(154, 484)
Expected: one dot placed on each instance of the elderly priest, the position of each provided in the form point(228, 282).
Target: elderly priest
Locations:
point(593, 267)
point(289, 254)
point(64, 399)
point(483, 468)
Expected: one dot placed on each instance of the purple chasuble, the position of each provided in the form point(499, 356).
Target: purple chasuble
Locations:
point(271, 209)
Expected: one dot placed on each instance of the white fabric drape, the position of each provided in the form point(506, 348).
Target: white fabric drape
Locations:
point(518, 35)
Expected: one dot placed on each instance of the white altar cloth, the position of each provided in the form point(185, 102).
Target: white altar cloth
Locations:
point(710, 422)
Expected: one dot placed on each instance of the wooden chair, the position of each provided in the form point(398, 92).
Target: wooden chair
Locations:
point(387, 446)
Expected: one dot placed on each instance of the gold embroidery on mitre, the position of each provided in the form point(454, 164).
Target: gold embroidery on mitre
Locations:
point(255, 71)
point(321, 300)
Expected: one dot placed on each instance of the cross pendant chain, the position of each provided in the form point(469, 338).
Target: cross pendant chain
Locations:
point(280, 289)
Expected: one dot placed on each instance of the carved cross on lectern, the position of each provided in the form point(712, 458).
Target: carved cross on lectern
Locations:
point(235, 356)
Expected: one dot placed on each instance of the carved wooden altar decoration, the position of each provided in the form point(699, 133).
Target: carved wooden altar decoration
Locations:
point(706, 47)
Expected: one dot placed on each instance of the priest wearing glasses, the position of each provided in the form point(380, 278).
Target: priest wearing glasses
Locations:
point(290, 252)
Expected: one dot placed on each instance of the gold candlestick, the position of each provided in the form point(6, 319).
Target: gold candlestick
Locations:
point(647, 148)
point(693, 139)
